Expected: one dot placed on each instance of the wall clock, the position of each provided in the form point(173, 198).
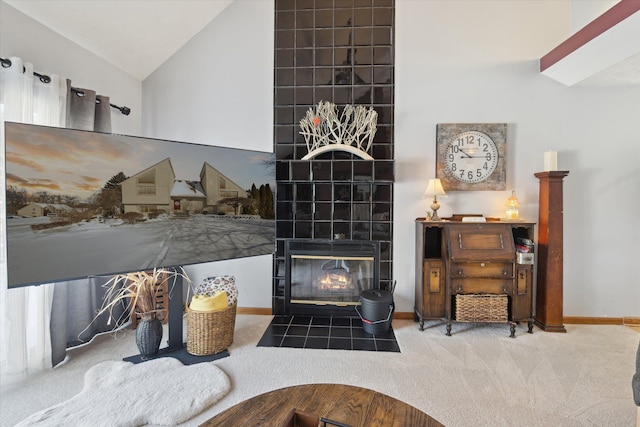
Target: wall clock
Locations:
point(471, 156)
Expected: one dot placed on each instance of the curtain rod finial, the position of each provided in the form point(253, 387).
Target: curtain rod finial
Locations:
point(124, 110)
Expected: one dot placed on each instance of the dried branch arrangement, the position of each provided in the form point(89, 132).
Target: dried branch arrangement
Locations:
point(138, 291)
point(325, 130)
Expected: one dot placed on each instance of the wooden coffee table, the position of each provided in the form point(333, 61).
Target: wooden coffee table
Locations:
point(354, 406)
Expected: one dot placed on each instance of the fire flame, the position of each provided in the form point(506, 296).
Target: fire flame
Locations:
point(334, 281)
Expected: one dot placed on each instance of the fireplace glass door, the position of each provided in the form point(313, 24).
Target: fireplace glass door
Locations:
point(328, 276)
point(330, 279)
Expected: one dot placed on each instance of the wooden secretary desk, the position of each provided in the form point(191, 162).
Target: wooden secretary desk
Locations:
point(472, 272)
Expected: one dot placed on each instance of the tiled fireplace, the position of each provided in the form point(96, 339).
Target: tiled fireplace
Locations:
point(327, 276)
point(342, 52)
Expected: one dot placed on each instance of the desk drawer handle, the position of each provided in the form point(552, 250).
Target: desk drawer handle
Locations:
point(460, 271)
point(482, 264)
point(504, 289)
point(459, 287)
point(505, 272)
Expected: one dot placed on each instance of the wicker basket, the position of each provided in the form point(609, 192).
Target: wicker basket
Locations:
point(210, 332)
point(482, 308)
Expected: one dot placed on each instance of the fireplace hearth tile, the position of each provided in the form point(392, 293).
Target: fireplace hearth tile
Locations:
point(300, 320)
point(279, 330)
point(319, 331)
point(293, 341)
point(363, 344)
point(271, 340)
point(340, 344)
point(321, 321)
point(341, 321)
point(339, 332)
point(300, 331)
point(387, 345)
point(318, 343)
point(360, 333)
point(281, 320)
point(322, 332)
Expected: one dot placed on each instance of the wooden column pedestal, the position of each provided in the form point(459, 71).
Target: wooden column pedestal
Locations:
point(549, 315)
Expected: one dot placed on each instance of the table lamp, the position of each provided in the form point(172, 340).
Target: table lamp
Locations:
point(435, 189)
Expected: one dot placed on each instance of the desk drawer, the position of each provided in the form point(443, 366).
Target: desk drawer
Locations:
point(481, 286)
point(482, 269)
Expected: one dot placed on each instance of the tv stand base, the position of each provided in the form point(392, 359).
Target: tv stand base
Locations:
point(180, 354)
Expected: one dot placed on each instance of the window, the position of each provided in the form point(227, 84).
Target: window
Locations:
point(228, 194)
point(147, 183)
point(146, 189)
point(148, 178)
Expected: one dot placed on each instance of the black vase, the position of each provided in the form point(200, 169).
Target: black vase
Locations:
point(148, 337)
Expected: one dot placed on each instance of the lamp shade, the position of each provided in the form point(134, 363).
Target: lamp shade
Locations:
point(435, 188)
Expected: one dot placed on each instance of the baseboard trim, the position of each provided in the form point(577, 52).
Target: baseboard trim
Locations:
point(574, 320)
point(254, 310)
point(571, 320)
point(405, 315)
point(408, 315)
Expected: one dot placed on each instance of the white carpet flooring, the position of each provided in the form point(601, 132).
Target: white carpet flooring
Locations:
point(477, 377)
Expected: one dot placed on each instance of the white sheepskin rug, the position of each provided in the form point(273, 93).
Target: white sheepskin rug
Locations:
point(162, 391)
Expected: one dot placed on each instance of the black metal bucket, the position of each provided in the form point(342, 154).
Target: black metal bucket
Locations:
point(377, 309)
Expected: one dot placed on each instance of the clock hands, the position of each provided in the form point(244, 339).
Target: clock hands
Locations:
point(469, 156)
point(465, 153)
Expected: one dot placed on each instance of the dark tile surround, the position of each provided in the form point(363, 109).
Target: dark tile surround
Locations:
point(319, 332)
point(340, 51)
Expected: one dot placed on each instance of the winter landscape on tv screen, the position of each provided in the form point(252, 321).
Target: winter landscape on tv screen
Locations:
point(83, 204)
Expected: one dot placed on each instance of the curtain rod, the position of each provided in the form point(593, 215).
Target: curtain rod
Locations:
point(6, 63)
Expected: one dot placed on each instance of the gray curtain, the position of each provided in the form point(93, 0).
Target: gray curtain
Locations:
point(76, 303)
point(87, 111)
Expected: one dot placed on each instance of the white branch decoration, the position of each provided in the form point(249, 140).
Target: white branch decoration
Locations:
point(352, 131)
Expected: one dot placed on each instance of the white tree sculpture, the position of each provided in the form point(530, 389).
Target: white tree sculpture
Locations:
point(352, 131)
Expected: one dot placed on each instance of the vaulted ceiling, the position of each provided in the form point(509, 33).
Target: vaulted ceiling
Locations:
point(137, 36)
point(606, 51)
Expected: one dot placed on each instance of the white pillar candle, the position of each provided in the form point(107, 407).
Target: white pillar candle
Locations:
point(550, 160)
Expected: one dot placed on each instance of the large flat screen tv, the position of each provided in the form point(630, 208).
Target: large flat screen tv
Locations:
point(83, 204)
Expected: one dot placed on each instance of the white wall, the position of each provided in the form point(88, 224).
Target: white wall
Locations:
point(470, 61)
point(218, 90)
point(51, 53)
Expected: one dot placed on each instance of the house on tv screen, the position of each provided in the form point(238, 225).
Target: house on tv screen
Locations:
point(156, 189)
point(33, 210)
